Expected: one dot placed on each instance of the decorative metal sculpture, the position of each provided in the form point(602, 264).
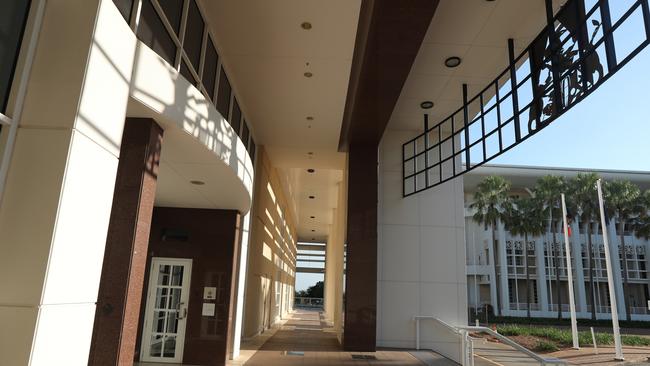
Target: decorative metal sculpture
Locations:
point(567, 61)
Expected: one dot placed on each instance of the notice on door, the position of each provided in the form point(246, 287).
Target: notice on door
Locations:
point(208, 309)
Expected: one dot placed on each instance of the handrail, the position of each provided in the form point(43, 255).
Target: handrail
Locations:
point(466, 347)
point(515, 345)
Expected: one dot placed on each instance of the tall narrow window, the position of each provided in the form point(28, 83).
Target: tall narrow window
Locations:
point(152, 32)
point(124, 6)
point(13, 16)
point(223, 98)
point(235, 121)
point(210, 68)
point(173, 10)
point(244, 134)
point(194, 35)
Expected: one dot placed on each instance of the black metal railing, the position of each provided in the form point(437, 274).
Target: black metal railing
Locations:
point(581, 47)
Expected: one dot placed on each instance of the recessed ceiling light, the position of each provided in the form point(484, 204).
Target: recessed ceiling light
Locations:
point(310, 153)
point(312, 217)
point(310, 118)
point(197, 182)
point(310, 170)
point(305, 25)
point(427, 104)
point(313, 231)
point(308, 74)
point(452, 62)
point(311, 197)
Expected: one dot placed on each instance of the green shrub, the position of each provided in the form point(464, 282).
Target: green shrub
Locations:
point(562, 336)
point(545, 346)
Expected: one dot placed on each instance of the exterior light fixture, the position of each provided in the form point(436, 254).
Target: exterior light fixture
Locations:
point(312, 217)
point(313, 231)
point(310, 118)
point(305, 25)
point(197, 182)
point(311, 197)
point(427, 104)
point(308, 74)
point(310, 170)
point(452, 62)
point(310, 153)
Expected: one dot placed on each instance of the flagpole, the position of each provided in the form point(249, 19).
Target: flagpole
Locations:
point(572, 303)
point(610, 277)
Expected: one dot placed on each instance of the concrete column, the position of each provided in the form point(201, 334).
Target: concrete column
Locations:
point(578, 270)
point(503, 268)
point(59, 190)
point(614, 245)
point(122, 279)
point(542, 291)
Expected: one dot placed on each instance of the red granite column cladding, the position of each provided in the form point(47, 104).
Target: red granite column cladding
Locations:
point(211, 239)
point(361, 277)
point(120, 289)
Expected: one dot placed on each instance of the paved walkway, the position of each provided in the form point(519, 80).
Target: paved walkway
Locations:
point(305, 339)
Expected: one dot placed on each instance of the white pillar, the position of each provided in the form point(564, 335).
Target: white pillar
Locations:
point(542, 291)
point(579, 283)
point(614, 244)
point(58, 197)
point(503, 268)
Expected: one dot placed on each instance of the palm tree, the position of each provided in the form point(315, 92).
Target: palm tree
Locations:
point(642, 221)
point(548, 191)
point(583, 200)
point(490, 201)
point(622, 201)
point(526, 217)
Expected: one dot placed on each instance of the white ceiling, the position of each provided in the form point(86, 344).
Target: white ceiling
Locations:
point(266, 54)
point(477, 31)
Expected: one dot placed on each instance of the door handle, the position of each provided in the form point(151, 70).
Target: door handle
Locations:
point(184, 310)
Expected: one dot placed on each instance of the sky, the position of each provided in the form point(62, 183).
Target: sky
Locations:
point(610, 129)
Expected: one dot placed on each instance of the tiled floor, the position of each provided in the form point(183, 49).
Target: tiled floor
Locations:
point(305, 340)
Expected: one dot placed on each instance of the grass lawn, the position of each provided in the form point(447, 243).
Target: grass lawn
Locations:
point(549, 339)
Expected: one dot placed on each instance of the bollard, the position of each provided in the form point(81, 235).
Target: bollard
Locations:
point(477, 323)
point(593, 339)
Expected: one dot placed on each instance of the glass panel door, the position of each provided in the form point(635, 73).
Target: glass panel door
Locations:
point(166, 311)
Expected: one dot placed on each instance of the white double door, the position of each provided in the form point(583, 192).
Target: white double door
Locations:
point(166, 310)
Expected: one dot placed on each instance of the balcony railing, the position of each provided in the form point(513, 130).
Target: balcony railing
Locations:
point(578, 50)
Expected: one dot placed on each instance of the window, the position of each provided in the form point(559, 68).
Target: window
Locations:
point(125, 7)
point(223, 98)
point(235, 121)
point(185, 71)
point(244, 134)
point(152, 32)
point(13, 16)
point(210, 68)
point(173, 10)
point(193, 35)
point(252, 150)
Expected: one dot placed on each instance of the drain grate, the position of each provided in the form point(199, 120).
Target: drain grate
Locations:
point(293, 353)
point(364, 357)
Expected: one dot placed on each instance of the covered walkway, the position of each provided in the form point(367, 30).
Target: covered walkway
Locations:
point(305, 339)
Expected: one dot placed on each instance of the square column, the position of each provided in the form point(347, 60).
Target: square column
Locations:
point(578, 270)
point(57, 201)
point(503, 269)
point(542, 292)
point(360, 330)
point(120, 290)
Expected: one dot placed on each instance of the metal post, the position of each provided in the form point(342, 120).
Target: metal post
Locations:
point(466, 127)
point(417, 333)
point(593, 339)
point(610, 276)
point(513, 88)
point(426, 151)
point(572, 303)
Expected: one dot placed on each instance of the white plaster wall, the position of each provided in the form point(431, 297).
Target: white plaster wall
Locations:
point(421, 256)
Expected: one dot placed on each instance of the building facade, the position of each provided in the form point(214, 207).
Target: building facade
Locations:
point(164, 161)
point(510, 279)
